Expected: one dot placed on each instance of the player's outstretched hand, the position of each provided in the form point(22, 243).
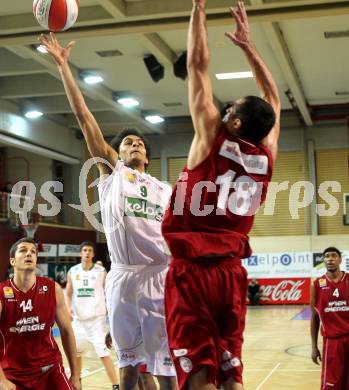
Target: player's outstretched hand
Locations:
point(58, 53)
point(241, 36)
point(316, 355)
point(6, 385)
point(75, 382)
point(108, 341)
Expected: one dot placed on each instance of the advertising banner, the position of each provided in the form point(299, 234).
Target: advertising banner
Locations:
point(289, 265)
point(49, 250)
point(286, 291)
point(68, 250)
point(279, 265)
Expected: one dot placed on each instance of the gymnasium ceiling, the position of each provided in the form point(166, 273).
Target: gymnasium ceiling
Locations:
point(311, 71)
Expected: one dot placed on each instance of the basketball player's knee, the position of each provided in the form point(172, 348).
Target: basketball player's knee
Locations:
point(129, 377)
point(165, 382)
point(231, 384)
point(199, 380)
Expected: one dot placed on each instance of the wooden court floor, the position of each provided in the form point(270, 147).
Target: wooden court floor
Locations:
point(276, 352)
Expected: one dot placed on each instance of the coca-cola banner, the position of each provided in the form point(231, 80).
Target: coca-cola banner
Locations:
point(289, 291)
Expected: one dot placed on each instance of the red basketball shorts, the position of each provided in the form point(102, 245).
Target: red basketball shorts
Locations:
point(143, 368)
point(205, 304)
point(54, 379)
point(335, 363)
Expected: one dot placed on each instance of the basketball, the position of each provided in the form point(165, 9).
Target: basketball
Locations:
point(56, 15)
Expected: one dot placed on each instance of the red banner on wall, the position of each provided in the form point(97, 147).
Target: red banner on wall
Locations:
point(290, 291)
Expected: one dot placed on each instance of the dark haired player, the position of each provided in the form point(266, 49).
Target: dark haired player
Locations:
point(330, 309)
point(132, 207)
point(212, 211)
point(85, 300)
point(29, 307)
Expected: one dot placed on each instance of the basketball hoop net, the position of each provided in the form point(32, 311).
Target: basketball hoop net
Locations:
point(30, 230)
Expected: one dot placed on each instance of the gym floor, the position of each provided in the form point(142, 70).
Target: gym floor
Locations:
point(276, 352)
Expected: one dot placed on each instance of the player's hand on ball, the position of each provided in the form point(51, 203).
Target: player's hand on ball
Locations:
point(59, 54)
point(241, 36)
point(108, 341)
point(6, 385)
point(316, 355)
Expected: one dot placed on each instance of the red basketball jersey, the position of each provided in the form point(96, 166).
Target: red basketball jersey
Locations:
point(332, 305)
point(212, 206)
point(26, 342)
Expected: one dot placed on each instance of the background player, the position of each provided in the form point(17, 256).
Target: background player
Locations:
point(228, 170)
point(29, 306)
point(330, 306)
point(86, 303)
point(132, 208)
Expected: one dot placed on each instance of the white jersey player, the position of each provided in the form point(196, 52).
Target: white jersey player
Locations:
point(86, 302)
point(132, 207)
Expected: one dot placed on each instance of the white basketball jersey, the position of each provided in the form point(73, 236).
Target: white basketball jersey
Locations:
point(88, 291)
point(132, 208)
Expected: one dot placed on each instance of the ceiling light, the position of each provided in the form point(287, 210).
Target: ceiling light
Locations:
point(154, 119)
point(92, 79)
point(33, 114)
point(234, 75)
point(128, 102)
point(42, 49)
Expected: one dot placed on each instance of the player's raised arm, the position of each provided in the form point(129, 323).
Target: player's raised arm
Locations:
point(264, 79)
point(314, 328)
point(204, 113)
point(96, 143)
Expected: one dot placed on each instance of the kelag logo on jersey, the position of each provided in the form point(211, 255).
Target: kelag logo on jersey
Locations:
point(86, 292)
point(142, 208)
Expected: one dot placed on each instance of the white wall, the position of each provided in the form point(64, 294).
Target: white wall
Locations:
point(298, 243)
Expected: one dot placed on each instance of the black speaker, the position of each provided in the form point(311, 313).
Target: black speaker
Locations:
point(180, 67)
point(78, 134)
point(155, 69)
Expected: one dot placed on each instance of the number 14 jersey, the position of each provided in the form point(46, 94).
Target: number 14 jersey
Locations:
point(26, 343)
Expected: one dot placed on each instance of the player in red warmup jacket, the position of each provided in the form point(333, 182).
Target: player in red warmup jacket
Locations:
point(211, 212)
point(29, 306)
point(330, 309)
